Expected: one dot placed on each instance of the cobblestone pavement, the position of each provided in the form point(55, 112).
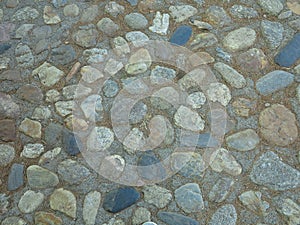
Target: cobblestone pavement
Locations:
point(167, 112)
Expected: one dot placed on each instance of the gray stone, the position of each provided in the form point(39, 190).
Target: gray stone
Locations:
point(13, 220)
point(243, 12)
point(285, 15)
point(272, 7)
point(52, 96)
point(134, 140)
point(139, 62)
point(107, 26)
point(274, 81)
point(75, 91)
point(225, 215)
point(204, 40)
point(32, 151)
point(90, 207)
point(273, 173)
point(239, 39)
point(188, 119)
point(4, 204)
point(49, 155)
point(8, 108)
point(100, 139)
point(217, 16)
point(72, 172)
point(120, 46)
point(7, 154)
point(4, 63)
point(291, 211)
point(64, 201)
point(94, 55)
point(50, 16)
point(113, 66)
point(91, 106)
point(158, 196)
point(138, 112)
point(196, 100)
point(49, 75)
point(243, 141)
point(218, 92)
point(89, 14)
point(149, 223)
point(64, 108)
point(114, 9)
point(176, 219)
point(86, 36)
point(221, 189)
point(31, 128)
point(71, 10)
point(53, 133)
point(24, 30)
point(272, 32)
point(90, 74)
point(141, 215)
point(59, 3)
point(201, 25)
point(41, 113)
point(182, 12)
point(160, 23)
point(137, 38)
point(63, 55)
point(30, 201)
point(110, 88)
point(40, 178)
point(24, 56)
point(230, 75)
point(25, 14)
point(252, 200)
point(136, 21)
point(30, 93)
point(162, 74)
point(12, 3)
point(189, 198)
point(15, 177)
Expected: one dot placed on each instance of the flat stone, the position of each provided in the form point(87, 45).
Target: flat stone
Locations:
point(133, 2)
point(40, 178)
point(222, 160)
point(48, 74)
point(90, 207)
point(136, 21)
point(12, 3)
point(30, 93)
point(139, 62)
point(243, 12)
point(107, 26)
point(221, 189)
point(70, 143)
point(90, 74)
point(137, 38)
point(25, 14)
point(71, 10)
point(182, 12)
point(218, 92)
point(272, 7)
point(63, 55)
point(100, 139)
point(50, 16)
point(31, 128)
point(49, 155)
point(64, 108)
point(53, 134)
point(176, 219)
point(24, 56)
point(243, 106)
point(120, 46)
point(91, 106)
point(120, 199)
point(291, 211)
point(270, 171)
point(13, 75)
point(204, 40)
point(252, 200)
point(289, 54)
point(32, 151)
point(196, 100)
point(4, 63)
point(188, 119)
point(243, 141)
point(189, 198)
point(13, 220)
point(278, 125)
point(239, 39)
point(8, 130)
point(160, 23)
point(8, 108)
point(230, 75)
point(72, 172)
point(138, 112)
point(41, 113)
point(217, 16)
point(4, 48)
point(272, 32)
point(64, 201)
point(30, 201)
point(52, 96)
point(75, 91)
point(85, 37)
point(113, 66)
point(274, 81)
point(45, 218)
point(181, 35)
point(157, 196)
point(89, 14)
point(95, 55)
point(15, 177)
point(5, 29)
point(224, 215)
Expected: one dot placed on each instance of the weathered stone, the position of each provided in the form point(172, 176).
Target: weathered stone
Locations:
point(95, 55)
point(39, 177)
point(24, 56)
point(41, 113)
point(15, 177)
point(221, 189)
point(107, 26)
point(188, 119)
point(63, 55)
point(294, 5)
point(182, 12)
point(243, 106)
point(272, 32)
point(218, 92)
point(217, 16)
point(32, 150)
point(113, 66)
point(48, 74)
point(100, 139)
point(49, 155)
point(30, 201)
point(52, 96)
point(136, 21)
point(85, 37)
point(272, 7)
point(45, 218)
point(241, 12)
point(64, 108)
point(120, 46)
point(8, 130)
point(89, 14)
point(71, 10)
point(90, 74)
point(137, 38)
point(160, 23)
point(243, 141)
point(158, 196)
point(239, 39)
point(25, 14)
point(8, 108)
point(64, 201)
point(138, 62)
point(72, 172)
point(291, 211)
point(90, 207)
point(224, 215)
point(13, 220)
point(176, 219)
point(252, 200)
point(204, 40)
point(50, 17)
point(140, 215)
point(31, 128)
point(30, 93)
point(114, 9)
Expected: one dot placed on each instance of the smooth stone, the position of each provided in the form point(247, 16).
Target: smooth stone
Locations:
point(136, 21)
point(8, 130)
point(39, 177)
point(15, 177)
point(13, 75)
point(270, 171)
point(181, 35)
point(272, 32)
point(86, 37)
point(120, 199)
point(30, 93)
point(31, 128)
point(230, 75)
point(114, 9)
point(204, 40)
point(224, 215)
point(4, 48)
point(90, 74)
point(89, 14)
point(110, 88)
point(160, 23)
point(189, 198)
point(71, 10)
point(221, 189)
point(176, 219)
point(182, 12)
point(64, 201)
point(49, 75)
point(59, 3)
point(243, 12)
point(188, 119)
point(252, 200)
point(272, 7)
point(139, 62)
point(274, 81)
point(70, 143)
point(218, 92)
point(100, 139)
point(149, 223)
point(289, 54)
point(45, 218)
point(137, 38)
point(141, 215)
point(32, 151)
point(107, 26)
point(90, 207)
point(157, 196)
point(95, 55)
point(13, 220)
point(30, 201)
point(243, 141)
point(12, 3)
point(239, 39)
point(72, 172)
point(63, 55)
point(217, 16)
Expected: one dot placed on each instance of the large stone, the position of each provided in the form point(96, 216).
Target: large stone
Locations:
point(90, 207)
point(64, 201)
point(272, 7)
point(181, 35)
point(62, 55)
point(32, 151)
point(72, 172)
point(224, 215)
point(30, 201)
point(243, 12)
point(85, 37)
point(24, 56)
point(15, 177)
point(48, 74)
point(136, 21)
point(189, 198)
point(273, 33)
point(182, 12)
point(39, 177)
point(31, 128)
point(64, 108)
point(218, 92)
point(171, 218)
point(243, 141)
point(158, 196)
point(100, 139)
point(71, 10)
point(188, 119)
point(25, 14)
point(252, 200)
point(7, 154)
point(278, 125)
point(273, 173)
point(89, 14)
point(239, 39)
point(137, 38)
point(8, 130)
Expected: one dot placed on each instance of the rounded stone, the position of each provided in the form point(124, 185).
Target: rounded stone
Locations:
point(63, 201)
point(39, 178)
point(100, 139)
point(7, 154)
point(71, 10)
point(278, 125)
point(13, 220)
point(136, 21)
point(218, 92)
point(30, 201)
point(196, 100)
point(32, 151)
point(243, 141)
point(239, 39)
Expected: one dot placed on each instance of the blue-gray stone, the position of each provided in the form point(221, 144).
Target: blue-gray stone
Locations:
point(223, 55)
point(274, 81)
point(119, 199)
point(53, 134)
point(205, 140)
point(133, 2)
point(290, 53)
point(62, 55)
point(225, 215)
point(176, 219)
point(70, 143)
point(150, 167)
point(273, 173)
point(59, 3)
point(15, 177)
point(4, 47)
point(181, 35)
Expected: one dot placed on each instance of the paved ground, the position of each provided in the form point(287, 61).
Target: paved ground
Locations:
point(176, 112)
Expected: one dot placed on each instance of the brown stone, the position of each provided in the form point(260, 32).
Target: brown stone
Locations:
point(243, 106)
point(31, 128)
point(7, 130)
point(13, 75)
point(44, 218)
point(30, 93)
point(278, 125)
